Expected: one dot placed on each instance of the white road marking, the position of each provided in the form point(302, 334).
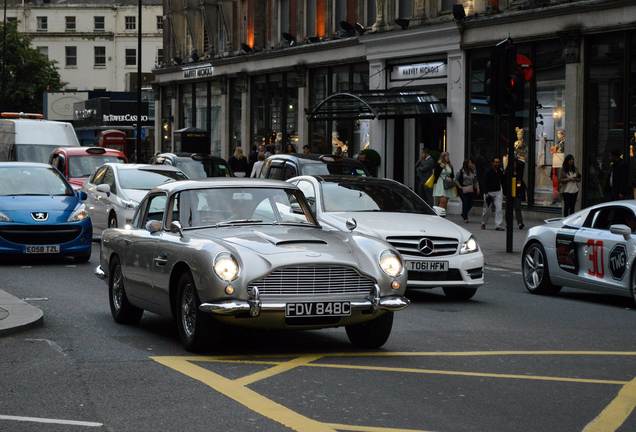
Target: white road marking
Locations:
point(35, 299)
point(71, 266)
point(500, 269)
point(52, 421)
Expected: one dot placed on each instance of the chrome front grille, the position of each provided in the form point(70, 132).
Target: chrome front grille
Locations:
point(410, 245)
point(319, 282)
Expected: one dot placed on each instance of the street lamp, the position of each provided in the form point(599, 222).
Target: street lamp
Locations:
point(138, 133)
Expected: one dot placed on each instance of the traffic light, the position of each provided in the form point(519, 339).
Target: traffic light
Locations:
point(505, 79)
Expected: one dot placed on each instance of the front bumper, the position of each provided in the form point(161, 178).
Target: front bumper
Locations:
point(463, 271)
point(79, 245)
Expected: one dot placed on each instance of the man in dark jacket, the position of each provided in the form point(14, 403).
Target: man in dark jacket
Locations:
point(423, 170)
point(493, 194)
point(619, 183)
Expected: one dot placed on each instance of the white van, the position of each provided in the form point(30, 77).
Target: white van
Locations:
point(30, 138)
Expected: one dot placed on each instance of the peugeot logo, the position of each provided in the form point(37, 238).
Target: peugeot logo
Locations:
point(39, 216)
point(426, 246)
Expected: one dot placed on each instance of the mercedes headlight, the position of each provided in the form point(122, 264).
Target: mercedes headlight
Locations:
point(469, 246)
point(79, 214)
point(4, 218)
point(391, 263)
point(226, 267)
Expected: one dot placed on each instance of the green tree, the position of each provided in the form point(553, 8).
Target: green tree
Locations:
point(27, 73)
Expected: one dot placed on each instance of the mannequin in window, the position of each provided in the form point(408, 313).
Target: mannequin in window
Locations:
point(521, 151)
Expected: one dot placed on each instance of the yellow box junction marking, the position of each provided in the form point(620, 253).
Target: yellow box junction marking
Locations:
point(612, 417)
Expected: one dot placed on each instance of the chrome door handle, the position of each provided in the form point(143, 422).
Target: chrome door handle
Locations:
point(161, 260)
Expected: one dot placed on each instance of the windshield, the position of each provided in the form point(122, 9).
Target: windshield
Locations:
point(197, 169)
point(242, 206)
point(372, 197)
point(33, 152)
point(147, 179)
point(333, 168)
point(84, 166)
point(32, 181)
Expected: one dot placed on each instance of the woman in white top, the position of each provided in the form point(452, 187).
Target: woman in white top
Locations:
point(258, 166)
point(569, 181)
point(444, 188)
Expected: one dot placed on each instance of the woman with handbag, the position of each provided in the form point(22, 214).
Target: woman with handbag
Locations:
point(444, 180)
point(569, 180)
point(468, 187)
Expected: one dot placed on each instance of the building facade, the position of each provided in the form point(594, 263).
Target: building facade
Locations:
point(93, 42)
point(398, 76)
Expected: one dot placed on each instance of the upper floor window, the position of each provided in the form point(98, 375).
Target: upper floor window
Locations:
point(369, 12)
point(98, 23)
point(159, 22)
point(159, 56)
point(12, 20)
point(311, 18)
point(44, 50)
point(131, 56)
point(100, 56)
point(42, 23)
point(70, 23)
point(131, 22)
point(70, 55)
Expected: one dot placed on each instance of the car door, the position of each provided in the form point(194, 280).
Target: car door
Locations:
point(603, 256)
point(140, 261)
point(94, 200)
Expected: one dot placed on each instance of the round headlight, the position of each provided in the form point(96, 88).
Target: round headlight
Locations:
point(226, 267)
point(390, 263)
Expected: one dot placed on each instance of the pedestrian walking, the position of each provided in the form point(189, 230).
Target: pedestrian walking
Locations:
point(468, 187)
point(619, 185)
point(258, 166)
point(423, 170)
point(569, 182)
point(493, 194)
point(444, 188)
point(238, 163)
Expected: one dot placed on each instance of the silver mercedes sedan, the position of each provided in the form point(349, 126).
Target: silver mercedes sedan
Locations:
point(248, 253)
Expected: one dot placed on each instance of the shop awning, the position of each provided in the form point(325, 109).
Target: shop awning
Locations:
point(384, 104)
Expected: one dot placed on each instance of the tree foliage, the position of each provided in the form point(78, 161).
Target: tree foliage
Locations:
point(27, 75)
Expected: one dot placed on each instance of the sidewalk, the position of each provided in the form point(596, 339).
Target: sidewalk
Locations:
point(16, 314)
point(493, 243)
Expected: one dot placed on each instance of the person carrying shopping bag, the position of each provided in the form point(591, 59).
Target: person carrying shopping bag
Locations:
point(445, 188)
point(467, 186)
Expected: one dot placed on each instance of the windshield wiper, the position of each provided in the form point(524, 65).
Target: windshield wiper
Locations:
point(237, 222)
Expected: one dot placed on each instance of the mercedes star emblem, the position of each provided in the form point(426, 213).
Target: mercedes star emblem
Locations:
point(426, 246)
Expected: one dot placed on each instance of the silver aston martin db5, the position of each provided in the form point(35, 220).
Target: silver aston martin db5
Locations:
point(249, 253)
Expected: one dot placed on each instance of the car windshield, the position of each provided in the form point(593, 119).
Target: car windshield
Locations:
point(33, 152)
point(32, 181)
point(217, 207)
point(343, 196)
point(197, 169)
point(334, 168)
point(84, 166)
point(146, 179)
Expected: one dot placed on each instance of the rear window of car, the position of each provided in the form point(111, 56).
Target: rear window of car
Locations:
point(147, 179)
point(333, 168)
point(84, 166)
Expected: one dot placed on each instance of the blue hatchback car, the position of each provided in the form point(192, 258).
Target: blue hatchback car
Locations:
point(40, 214)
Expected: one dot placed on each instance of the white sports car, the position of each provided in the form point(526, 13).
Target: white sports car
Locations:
point(593, 249)
point(437, 252)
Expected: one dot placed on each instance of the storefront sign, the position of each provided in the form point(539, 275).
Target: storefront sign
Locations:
point(420, 71)
point(198, 71)
point(123, 118)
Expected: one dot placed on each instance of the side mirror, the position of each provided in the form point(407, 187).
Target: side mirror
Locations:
point(440, 211)
point(82, 195)
point(351, 224)
point(176, 228)
point(153, 226)
point(103, 188)
point(622, 230)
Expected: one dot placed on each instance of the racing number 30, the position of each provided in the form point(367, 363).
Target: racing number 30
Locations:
point(595, 248)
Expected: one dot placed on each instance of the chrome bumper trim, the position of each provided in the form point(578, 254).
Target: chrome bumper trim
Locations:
point(234, 307)
point(99, 272)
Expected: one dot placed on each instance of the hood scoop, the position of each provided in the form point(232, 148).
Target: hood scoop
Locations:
point(289, 241)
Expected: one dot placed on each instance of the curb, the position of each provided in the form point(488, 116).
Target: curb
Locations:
point(21, 315)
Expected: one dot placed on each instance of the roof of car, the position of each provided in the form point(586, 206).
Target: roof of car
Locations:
point(24, 164)
point(314, 158)
point(222, 182)
point(77, 151)
point(351, 179)
point(120, 166)
point(189, 155)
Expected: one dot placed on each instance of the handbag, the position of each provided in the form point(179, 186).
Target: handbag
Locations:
point(449, 183)
point(430, 182)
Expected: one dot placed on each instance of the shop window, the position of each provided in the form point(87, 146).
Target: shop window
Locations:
point(236, 104)
point(186, 106)
point(215, 117)
point(167, 120)
point(405, 8)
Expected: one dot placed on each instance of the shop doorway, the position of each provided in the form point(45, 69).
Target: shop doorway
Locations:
point(411, 136)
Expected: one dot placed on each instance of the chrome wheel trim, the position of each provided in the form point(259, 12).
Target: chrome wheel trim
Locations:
point(188, 311)
point(533, 267)
point(118, 288)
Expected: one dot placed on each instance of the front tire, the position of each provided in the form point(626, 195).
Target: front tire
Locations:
point(536, 271)
point(459, 293)
point(195, 327)
point(371, 334)
point(122, 310)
